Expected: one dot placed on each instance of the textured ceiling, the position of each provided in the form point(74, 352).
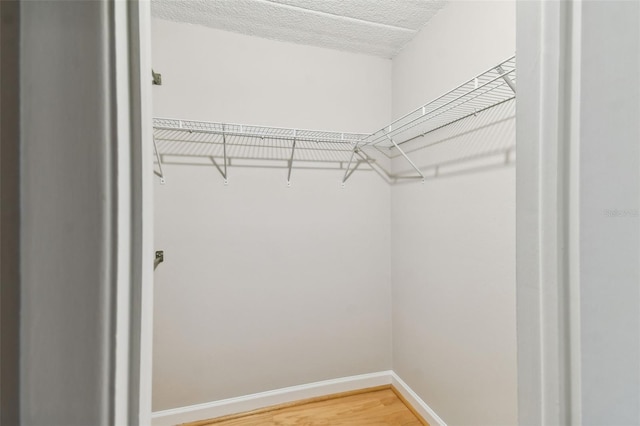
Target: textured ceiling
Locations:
point(375, 27)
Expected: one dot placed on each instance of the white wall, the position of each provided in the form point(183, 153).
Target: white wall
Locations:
point(235, 78)
point(453, 237)
point(266, 286)
point(545, 246)
point(578, 198)
point(609, 201)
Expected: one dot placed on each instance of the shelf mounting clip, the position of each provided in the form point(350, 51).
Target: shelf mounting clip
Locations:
point(156, 78)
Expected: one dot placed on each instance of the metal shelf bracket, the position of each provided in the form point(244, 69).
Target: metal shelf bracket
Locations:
point(224, 151)
point(346, 172)
point(159, 159)
point(406, 157)
point(506, 78)
point(293, 150)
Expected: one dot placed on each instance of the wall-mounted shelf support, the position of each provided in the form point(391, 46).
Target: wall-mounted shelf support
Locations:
point(156, 78)
point(159, 159)
point(224, 150)
point(506, 78)
point(158, 259)
point(346, 172)
point(406, 157)
point(293, 151)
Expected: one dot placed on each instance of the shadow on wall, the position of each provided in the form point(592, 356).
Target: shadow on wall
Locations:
point(474, 144)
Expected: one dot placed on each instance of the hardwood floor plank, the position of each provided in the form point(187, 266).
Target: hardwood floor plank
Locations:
point(287, 405)
point(409, 406)
point(380, 407)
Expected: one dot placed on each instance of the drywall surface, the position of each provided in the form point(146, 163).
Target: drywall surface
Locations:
point(265, 286)
point(215, 75)
point(609, 202)
point(453, 237)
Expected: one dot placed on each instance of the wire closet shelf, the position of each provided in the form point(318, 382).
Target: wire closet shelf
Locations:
point(226, 141)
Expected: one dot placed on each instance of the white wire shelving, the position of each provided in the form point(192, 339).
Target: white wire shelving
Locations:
point(227, 143)
point(488, 89)
point(237, 142)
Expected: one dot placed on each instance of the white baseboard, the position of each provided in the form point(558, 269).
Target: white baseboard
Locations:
point(256, 401)
point(415, 401)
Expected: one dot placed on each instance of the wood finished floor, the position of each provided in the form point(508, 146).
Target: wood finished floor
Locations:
point(373, 408)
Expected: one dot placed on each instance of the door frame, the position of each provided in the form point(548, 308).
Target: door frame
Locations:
point(142, 238)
